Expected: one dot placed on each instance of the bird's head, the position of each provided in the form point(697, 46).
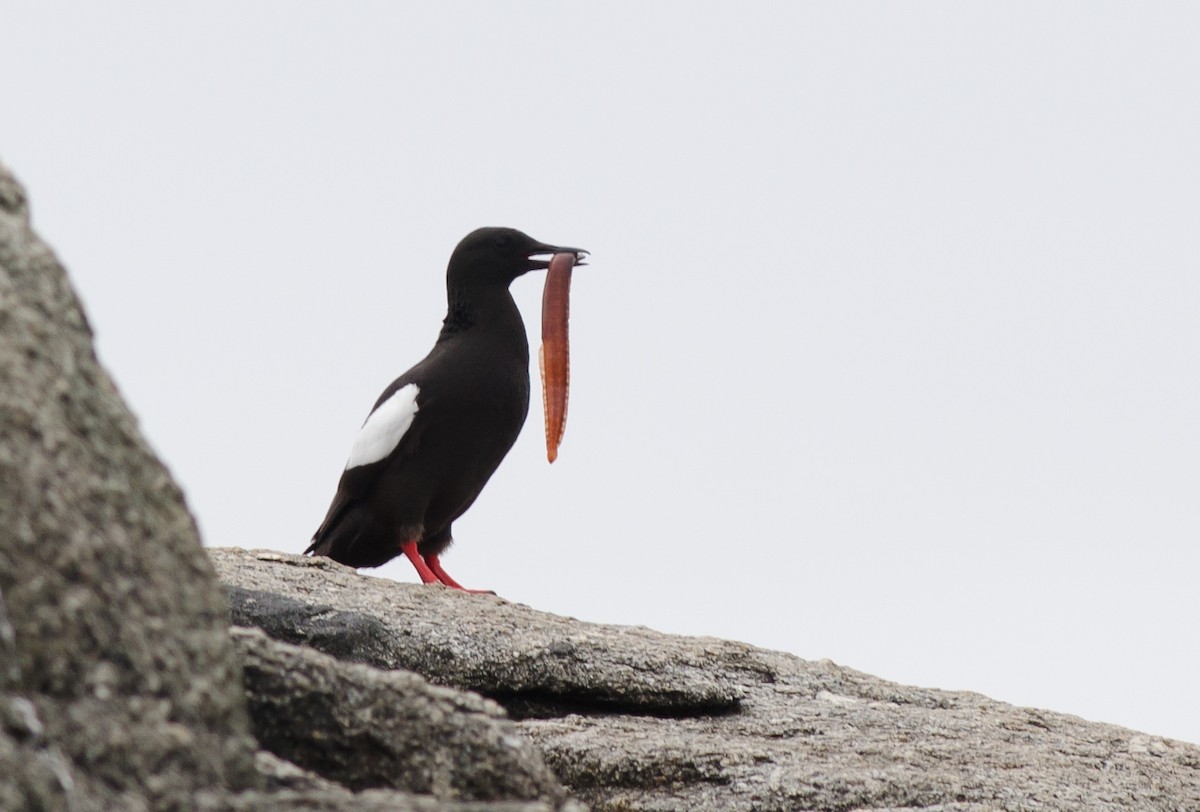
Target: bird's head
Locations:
point(489, 256)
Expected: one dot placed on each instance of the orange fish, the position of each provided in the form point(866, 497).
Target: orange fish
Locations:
point(554, 355)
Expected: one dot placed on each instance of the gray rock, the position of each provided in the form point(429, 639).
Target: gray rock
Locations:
point(367, 729)
point(281, 774)
point(541, 669)
point(635, 720)
point(368, 801)
point(35, 774)
point(114, 628)
point(292, 788)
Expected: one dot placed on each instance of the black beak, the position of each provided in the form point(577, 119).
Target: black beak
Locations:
point(536, 254)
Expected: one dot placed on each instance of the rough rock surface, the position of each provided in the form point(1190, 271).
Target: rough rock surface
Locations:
point(541, 669)
point(366, 728)
point(635, 720)
point(119, 683)
point(115, 628)
point(369, 801)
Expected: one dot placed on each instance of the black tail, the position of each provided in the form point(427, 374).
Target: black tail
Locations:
point(353, 539)
point(337, 536)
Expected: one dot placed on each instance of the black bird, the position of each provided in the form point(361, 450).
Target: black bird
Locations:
point(439, 431)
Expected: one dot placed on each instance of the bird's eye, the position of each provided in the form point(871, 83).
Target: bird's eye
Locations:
point(503, 243)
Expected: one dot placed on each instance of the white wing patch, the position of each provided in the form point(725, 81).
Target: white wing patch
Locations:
point(380, 435)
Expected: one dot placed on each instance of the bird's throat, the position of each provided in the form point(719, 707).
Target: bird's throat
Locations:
point(488, 308)
point(459, 318)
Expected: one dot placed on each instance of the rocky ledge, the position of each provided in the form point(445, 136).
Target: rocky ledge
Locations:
point(632, 719)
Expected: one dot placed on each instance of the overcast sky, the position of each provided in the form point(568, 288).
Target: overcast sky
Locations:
point(888, 351)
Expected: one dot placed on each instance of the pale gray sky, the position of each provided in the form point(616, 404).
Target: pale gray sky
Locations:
point(887, 353)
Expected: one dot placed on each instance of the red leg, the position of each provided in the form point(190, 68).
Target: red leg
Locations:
point(409, 548)
point(436, 567)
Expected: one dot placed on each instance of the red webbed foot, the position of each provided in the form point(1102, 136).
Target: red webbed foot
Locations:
point(435, 566)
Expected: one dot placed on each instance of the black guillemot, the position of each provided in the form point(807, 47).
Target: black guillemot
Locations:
point(440, 430)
